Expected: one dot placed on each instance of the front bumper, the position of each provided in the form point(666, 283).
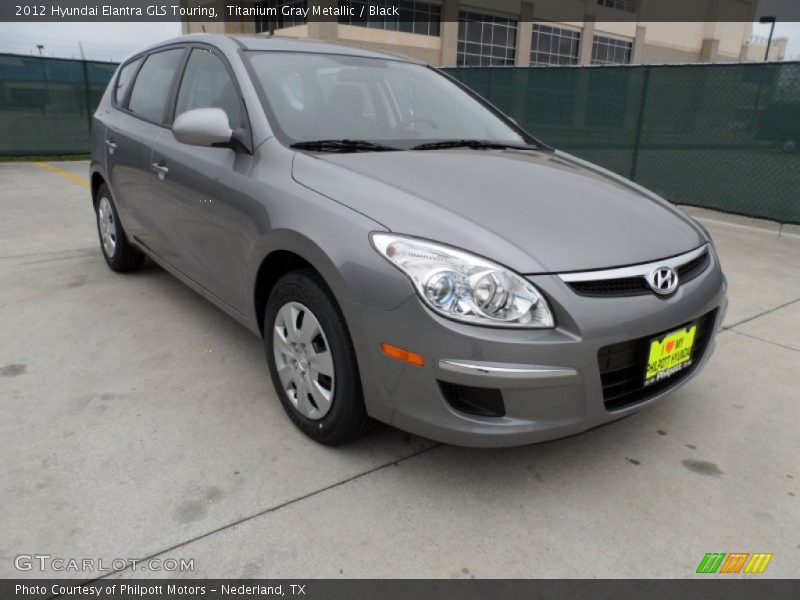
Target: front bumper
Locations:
point(549, 380)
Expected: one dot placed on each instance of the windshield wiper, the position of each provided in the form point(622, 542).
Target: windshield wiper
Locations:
point(474, 144)
point(344, 145)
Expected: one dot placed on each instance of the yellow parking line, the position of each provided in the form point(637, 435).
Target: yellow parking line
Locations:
point(73, 178)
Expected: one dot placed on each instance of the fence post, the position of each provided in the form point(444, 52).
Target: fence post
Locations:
point(88, 98)
point(638, 137)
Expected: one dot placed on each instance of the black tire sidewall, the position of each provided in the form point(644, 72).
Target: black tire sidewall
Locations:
point(346, 417)
point(126, 257)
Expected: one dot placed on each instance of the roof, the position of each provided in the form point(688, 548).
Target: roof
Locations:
point(280, 44)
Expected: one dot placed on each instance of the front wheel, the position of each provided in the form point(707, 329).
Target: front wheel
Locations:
point(312, 361)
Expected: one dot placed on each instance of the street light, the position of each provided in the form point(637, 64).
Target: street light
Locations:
point(768, 19)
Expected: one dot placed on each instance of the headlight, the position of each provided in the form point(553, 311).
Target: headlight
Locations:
point(465, 287)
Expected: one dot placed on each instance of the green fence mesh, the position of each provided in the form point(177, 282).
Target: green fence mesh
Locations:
point(720, 136)
point(46, 104)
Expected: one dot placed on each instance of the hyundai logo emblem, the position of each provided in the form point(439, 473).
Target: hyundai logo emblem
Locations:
point(664, 280)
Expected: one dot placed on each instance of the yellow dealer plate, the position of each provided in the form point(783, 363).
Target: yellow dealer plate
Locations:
point(670, 354)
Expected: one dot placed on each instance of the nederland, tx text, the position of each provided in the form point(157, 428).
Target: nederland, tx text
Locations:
point(142, 591)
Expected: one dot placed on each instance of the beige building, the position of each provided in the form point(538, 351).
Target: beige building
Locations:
point(755, 49)
point(522, 32)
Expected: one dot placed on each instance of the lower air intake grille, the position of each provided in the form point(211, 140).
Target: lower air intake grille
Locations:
point(622, 366)
point(482, 402)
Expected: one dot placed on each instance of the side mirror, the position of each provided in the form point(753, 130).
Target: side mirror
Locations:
point(203, 127)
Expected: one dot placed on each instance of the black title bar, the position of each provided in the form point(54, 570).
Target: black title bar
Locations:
point(712, 588)
point(376, 10)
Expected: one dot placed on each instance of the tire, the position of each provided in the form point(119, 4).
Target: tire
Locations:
point(120, 255)
point(323, 365)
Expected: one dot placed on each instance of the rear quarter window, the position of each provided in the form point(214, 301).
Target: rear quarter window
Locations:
point(124, 79)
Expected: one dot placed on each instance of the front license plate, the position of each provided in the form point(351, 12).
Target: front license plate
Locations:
point(670, 354)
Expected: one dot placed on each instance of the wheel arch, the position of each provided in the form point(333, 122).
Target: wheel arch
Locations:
point(97, 178)
point(290, 252)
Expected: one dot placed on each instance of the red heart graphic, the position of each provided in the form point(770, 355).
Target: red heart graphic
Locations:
point(670, 346)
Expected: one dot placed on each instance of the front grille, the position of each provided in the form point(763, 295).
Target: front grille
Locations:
point(629, 286)
point(693, 268)
point(637, 285)
point(622, 366)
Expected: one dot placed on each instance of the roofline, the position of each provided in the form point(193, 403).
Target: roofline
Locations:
point(357, 50)
point(285, 44)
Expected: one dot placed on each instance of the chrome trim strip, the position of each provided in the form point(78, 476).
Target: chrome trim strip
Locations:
point(642, 270)
point(504, 370)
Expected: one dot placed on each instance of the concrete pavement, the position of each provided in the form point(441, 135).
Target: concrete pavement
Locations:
point(137, 420)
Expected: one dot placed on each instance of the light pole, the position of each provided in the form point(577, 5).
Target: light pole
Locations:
point(768, 19)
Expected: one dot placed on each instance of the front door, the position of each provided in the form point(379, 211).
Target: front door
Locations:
point(200, 190)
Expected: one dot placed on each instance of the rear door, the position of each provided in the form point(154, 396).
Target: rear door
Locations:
point(127, 151)
point(201, 192)
point(139, 119)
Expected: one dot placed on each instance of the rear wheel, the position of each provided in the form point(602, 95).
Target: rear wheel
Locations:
point(312, 361)
point(120, 255)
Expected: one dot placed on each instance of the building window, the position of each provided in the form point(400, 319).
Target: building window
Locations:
point(418, 17)
point(280, 20)
point(626, 5)
point(554, 46)
point(485, 40)
point(610, 51)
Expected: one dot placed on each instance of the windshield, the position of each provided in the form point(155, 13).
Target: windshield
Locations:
point(332, 97)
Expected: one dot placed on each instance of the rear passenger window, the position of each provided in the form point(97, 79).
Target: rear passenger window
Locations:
point(152, 86)
point(126, 74)
point(207, 84)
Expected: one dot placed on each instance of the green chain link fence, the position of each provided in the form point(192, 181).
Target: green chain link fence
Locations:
point(46, 103)
point(725, 137)
point(720, 136)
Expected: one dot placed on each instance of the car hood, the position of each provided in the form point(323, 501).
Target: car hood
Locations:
point(534, 211)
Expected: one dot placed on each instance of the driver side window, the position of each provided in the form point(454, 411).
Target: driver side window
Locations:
point(207, 84)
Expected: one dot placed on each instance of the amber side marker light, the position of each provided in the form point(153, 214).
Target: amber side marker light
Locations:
point(404, 355)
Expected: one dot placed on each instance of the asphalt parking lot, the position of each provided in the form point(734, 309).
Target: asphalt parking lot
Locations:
point(137, 420)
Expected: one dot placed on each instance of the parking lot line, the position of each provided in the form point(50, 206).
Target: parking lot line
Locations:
point(73, 178)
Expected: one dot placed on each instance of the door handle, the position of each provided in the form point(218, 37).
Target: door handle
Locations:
point(111, 146)
point(160, 169)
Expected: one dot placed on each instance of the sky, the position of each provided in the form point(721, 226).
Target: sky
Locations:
point(100, 41)
point(787, 30)
point(114, 41)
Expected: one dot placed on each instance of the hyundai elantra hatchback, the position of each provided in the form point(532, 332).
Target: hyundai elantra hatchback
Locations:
point(407, 252)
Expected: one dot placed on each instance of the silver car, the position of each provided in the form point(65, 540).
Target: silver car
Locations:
point(408, 253)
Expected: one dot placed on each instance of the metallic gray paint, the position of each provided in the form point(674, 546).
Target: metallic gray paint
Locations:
point(202, 127)
point(536, 212)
